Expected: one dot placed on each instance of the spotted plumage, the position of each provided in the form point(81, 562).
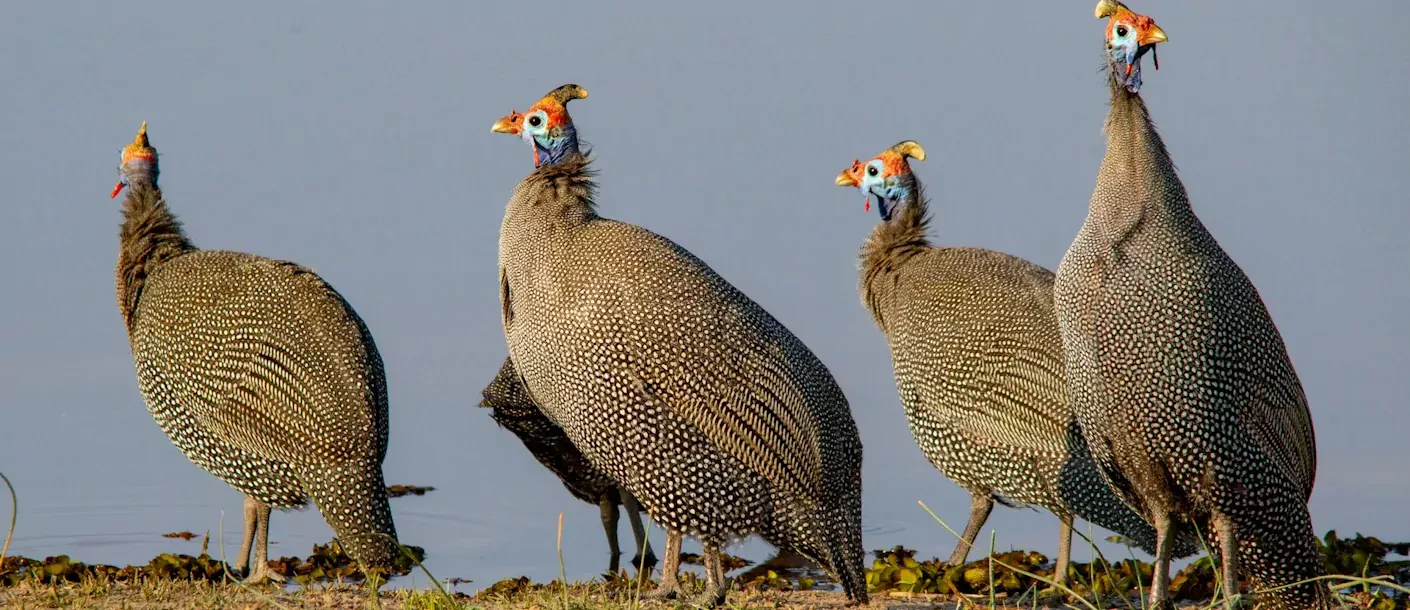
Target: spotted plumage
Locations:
point(979, 364)
point(258, 371)
point(514, 410)
point(715, 417)
point(1180, 378)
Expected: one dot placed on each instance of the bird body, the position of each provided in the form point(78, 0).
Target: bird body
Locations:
point(979, 364)
point(710, 412)
point(1183, 384)
point(258, 371)
point(514, 410)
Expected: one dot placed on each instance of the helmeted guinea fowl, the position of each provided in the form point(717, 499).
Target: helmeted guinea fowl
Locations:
point(514, 410)
point(1181, 380)
point(713, 415)
point(979, 365)
point(258, 371)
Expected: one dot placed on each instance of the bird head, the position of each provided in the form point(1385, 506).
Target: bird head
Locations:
point(1128, 37)
point(546, 126)
point(139, 163)
point(886, 176)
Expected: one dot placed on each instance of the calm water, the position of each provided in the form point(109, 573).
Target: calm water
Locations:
point(719, 124)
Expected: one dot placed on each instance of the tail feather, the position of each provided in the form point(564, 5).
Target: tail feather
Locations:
point(353, 499)
point(834, 542)
point(1277, 547)
point(845, 554)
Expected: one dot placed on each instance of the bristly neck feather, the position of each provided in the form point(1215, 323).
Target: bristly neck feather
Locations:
point(566, 191)
point(150, 235)
point(892, 243)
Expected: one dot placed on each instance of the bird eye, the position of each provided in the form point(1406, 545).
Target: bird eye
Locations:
point(1121, 31)
point(535, 121)
point(871, 171)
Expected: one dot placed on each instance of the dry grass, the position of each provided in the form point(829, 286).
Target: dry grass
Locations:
point(163, 595)
point(168, 594)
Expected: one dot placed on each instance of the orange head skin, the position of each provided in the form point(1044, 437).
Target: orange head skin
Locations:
point(139, 155)
point(1147, 32)
point(885, 176)
point(1128, 36)
point(546, 125)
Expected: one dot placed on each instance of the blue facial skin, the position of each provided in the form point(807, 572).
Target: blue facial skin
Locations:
point(889, 191)
point(1124, 50)
point(553, 144)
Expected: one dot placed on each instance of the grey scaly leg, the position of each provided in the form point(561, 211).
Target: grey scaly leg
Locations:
point(979, 508)
point(242, 561)
point(670, 587)
point(1164, 541)
point(608, 506)
point(1064, 550)
point(1229, 556)
point(259, 570)
point(716, 585)
point(644, 559)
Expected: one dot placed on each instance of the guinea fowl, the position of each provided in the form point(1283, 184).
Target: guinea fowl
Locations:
point(979, 365)
point(713, 415)
point(514, 410)
point(1181, 380)
point(258, 371)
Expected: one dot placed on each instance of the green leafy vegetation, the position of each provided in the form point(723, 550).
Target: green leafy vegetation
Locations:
point(327, 563)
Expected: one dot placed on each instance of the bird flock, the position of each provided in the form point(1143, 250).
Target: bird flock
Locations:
point(1142, 387)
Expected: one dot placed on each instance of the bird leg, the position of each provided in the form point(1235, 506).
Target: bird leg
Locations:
point(259, 569)
point(670, 587)
point(1164, 543)
point(644, 559)
point(1228, 555)
point(1064, 550)
point(608, 505)
point(242, 561)
point(716, 585)
point(979, 508)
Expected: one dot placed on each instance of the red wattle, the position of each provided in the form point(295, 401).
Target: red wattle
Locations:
point(116, 188)
point(866, 204)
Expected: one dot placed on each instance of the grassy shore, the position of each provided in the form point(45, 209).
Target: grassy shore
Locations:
point(163, 595)
point(1363, 577)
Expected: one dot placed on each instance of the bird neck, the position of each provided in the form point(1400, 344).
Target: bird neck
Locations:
point(141, 173)
point(892, 243)
point(561, 149)
point(551, 199)
point(1137, 182)
point(150, 235)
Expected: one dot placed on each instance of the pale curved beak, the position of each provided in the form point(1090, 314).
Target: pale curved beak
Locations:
point(1155, 35)
point(508, 124)
point(845, 179)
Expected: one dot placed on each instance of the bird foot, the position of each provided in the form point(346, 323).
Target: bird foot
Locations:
point(712, 596)
point(261, 573)
point(664, 592)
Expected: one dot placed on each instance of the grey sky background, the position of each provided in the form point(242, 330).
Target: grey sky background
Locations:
point(354, 138)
